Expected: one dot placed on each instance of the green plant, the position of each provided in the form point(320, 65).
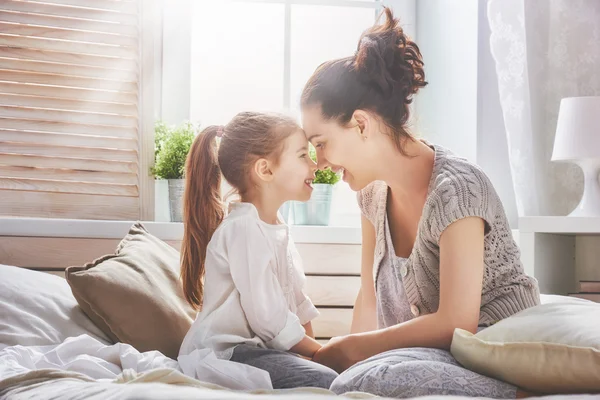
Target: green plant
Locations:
point(161, 131)
point(326, 176)
point(172, 145)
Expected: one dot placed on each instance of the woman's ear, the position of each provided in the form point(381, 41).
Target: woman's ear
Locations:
point(262, 169)
point(361, 120)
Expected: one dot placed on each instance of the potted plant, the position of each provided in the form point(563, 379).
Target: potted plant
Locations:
point(317, 210)
point(173, 144)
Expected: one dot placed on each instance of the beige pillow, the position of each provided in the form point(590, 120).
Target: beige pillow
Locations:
point(550, 348)
point(135, 295)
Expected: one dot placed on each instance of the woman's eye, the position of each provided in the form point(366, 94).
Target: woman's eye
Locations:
point(319, 145)
point(303, 156)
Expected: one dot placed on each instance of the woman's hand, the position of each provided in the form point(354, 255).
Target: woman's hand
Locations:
point(340, 353)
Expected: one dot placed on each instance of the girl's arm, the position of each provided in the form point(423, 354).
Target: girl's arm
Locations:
point(307, 347)
point(261, 296)
point(306, 310)
point(309, 330)
point(461, 281)
point(364, 318)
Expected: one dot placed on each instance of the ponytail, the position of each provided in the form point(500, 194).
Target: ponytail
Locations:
point(202, 212)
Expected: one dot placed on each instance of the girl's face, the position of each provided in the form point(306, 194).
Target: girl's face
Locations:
point(295, 171)
point(339, 147)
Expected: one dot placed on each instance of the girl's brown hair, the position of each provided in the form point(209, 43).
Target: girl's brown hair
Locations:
point(382, 77)
point(248, 137)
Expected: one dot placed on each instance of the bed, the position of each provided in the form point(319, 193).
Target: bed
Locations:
point(58, 341)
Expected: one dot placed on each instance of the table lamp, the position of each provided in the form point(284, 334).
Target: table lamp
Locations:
point(578, 140)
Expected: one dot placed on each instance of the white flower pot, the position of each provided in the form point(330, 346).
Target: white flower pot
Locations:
point(317, 210)
point(176, 188)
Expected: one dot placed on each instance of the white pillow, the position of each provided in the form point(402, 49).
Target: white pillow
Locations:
point(550, 348)
point(556, 298)
point(39, 309)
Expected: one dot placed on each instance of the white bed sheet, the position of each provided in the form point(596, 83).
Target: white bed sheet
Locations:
point(88, 356)
point(51, 385)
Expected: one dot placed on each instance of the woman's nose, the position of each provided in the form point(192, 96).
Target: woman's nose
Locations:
point(322, 162)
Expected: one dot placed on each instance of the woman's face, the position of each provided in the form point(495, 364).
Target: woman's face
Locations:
point(339, 147)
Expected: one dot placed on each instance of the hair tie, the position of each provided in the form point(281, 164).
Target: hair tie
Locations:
point(220, 130)
point(364, 42)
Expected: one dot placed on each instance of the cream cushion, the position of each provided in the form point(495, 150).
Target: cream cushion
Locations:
point(550, 348)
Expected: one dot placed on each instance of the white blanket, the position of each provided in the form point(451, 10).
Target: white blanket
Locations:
point(88, 356)
point(82, 367)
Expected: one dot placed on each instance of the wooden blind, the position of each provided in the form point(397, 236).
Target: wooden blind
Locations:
point(69, 109)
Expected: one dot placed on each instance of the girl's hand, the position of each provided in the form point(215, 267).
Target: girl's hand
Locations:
point(340, 353)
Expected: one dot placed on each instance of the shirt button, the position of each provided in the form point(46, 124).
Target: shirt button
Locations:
point(403, 270)
point(414, 310)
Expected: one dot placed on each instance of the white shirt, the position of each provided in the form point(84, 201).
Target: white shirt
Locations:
point(253, 288)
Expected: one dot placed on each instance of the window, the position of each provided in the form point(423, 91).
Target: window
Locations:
point(257, 55)
point(237, 59)
point(254, 55)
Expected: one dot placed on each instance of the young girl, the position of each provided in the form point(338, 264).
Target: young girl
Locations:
point(242, 271)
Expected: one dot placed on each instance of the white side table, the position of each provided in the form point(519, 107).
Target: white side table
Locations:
point(548, 249)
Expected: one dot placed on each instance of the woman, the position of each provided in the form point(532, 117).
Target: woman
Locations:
point(438, 253)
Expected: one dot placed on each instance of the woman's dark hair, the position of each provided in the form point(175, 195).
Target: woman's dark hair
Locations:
point(382, 77)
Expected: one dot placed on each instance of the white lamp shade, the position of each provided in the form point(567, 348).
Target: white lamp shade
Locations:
point(578, 129)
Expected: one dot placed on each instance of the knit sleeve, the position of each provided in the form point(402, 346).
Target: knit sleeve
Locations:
point(467, 192)
point(367, 200)
point(363, 198)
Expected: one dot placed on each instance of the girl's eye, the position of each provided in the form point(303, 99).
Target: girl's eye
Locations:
point(319, 145)
point(303, 155)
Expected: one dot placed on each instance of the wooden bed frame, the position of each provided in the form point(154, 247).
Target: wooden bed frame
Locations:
point(333, 270)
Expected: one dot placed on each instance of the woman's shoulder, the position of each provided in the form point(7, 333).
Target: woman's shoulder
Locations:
point(459, 189)
point(370, 197)
point(458, 178)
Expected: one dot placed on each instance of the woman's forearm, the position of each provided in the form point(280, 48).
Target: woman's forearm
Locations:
point(364, 316)
point(356, 326)
point(432, 330)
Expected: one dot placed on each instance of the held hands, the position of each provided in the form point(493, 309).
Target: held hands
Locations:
point(340, 353)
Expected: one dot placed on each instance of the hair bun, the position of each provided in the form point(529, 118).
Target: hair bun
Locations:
point(388, 59)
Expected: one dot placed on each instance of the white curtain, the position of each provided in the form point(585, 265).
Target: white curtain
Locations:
point(544, 50)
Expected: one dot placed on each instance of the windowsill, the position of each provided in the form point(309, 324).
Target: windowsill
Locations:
point(97, 229)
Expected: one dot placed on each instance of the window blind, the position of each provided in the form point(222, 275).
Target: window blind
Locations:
point(69, 109)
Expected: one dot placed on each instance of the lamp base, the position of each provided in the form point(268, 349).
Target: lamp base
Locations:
point(589, 206)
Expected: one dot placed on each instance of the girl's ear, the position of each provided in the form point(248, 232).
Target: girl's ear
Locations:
point(262, 169)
